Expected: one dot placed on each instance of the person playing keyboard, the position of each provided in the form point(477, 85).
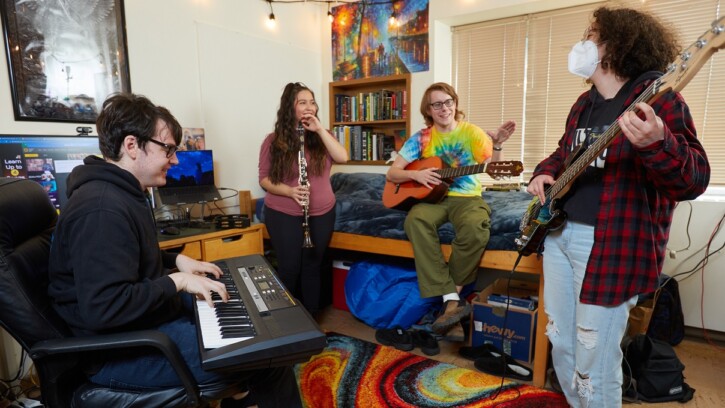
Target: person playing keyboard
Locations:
point(107, 273)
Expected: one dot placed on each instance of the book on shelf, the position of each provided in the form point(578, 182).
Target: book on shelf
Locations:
point(513, 302)
point(386, 146)
point(371, 106)
point(363, 143)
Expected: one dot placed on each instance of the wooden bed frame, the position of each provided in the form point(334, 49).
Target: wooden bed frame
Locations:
point(499, 260)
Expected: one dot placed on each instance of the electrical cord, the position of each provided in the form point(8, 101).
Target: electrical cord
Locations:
point(12, 392)
point(503, 330)
point(701, 266)
point(687, 232)
point(236, 193)
point(179, 215)
point(702, 284)
point(19, 374)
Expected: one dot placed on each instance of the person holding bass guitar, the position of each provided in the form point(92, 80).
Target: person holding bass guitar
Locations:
point(619, 207)
point(457, 143)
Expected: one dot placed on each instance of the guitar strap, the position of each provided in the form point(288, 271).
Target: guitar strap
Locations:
point(612, 110)
point(581, 203)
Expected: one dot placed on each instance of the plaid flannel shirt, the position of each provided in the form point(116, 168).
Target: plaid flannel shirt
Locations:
point(640, 189)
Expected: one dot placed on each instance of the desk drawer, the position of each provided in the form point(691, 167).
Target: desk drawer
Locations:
point(245, 243)
point(190, 249)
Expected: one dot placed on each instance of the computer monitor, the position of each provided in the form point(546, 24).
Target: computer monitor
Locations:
point(45, 159)
point(191, 180)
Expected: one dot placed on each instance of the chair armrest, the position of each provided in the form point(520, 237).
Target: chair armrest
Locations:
point(46, 349)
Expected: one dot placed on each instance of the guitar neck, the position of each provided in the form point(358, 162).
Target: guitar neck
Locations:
point(452, 172)
point(596, 148)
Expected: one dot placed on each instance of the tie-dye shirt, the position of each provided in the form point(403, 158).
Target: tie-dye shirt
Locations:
point(465, 145)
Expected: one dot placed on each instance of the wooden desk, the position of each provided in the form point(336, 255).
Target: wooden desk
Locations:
point(210, 244)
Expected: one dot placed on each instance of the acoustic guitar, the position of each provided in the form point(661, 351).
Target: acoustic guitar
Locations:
point(402, 196)
point(540, 219)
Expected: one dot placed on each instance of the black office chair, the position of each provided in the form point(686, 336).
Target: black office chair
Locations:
point(27, 220)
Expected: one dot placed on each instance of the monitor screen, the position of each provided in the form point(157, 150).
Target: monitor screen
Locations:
point(45, 159)
point(195, 168)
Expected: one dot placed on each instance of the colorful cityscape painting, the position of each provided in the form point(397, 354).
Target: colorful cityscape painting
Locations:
point(379, 38)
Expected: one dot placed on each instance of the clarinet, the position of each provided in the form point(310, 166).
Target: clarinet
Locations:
point(304, 182)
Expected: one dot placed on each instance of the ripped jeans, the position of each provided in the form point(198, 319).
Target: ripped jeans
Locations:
point(585, 338)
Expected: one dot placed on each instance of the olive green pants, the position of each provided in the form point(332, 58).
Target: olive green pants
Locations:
point(471, 219)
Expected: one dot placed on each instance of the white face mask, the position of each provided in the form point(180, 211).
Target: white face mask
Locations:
point(583, 59)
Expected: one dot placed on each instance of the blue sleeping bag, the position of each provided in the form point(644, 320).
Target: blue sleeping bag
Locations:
point(386, 295)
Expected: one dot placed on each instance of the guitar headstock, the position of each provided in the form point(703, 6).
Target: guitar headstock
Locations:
point(500, 169)
point(692, 58)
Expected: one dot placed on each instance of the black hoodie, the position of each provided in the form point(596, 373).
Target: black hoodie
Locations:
point(107, 273)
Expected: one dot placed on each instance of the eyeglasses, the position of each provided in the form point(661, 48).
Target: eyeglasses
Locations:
point(169, 149)
point(439, 105)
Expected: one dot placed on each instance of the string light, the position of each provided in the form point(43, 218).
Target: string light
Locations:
point(271, 19)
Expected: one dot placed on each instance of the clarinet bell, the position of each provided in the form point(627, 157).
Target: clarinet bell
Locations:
point(307, 241)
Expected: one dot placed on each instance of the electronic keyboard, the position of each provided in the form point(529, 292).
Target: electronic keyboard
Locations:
point(261, 325)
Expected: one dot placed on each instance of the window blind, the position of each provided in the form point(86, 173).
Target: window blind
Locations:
point(516, 68)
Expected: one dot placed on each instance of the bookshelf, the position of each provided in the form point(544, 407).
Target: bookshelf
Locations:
point(369, 115)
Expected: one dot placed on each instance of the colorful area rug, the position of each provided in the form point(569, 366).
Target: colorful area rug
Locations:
point(354, 373)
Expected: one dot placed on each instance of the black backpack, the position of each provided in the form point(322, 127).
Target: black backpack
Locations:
point(652, 372)
point(667, 322)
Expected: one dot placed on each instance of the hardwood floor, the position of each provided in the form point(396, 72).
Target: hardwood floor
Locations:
point(704, 363)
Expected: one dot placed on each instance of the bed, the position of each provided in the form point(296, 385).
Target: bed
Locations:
point(364, 225)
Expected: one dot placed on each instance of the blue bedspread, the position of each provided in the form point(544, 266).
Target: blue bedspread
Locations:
point(360, 210)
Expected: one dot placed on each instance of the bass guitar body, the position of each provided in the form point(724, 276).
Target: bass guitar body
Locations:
point(534, 231)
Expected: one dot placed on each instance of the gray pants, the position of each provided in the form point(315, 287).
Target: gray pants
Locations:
point(471, 221)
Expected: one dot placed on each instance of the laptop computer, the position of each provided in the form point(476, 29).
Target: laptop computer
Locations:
point(190, 181)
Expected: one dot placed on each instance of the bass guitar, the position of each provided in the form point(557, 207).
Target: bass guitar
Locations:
point(540, 219)
point(402, 196)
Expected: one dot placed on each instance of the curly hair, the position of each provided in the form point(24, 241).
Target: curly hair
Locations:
point(635, 42)
point(126, 114)
point(425, 101)
point(286, 143)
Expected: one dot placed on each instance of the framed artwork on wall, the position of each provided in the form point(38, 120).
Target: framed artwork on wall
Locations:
point(64, 57)
point(379, 38)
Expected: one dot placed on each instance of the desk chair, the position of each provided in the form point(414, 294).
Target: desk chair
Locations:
point(27, 220)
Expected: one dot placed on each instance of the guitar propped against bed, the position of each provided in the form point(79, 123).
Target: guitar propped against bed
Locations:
point(402, 196)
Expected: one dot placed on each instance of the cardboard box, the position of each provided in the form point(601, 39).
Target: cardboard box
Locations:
point(339, 274)
point(487, 321)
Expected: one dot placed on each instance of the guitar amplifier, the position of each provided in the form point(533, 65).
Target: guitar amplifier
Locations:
point(231, 221)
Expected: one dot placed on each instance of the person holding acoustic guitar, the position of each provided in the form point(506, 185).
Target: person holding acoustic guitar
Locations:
point(457, 143)
point(619, 207)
